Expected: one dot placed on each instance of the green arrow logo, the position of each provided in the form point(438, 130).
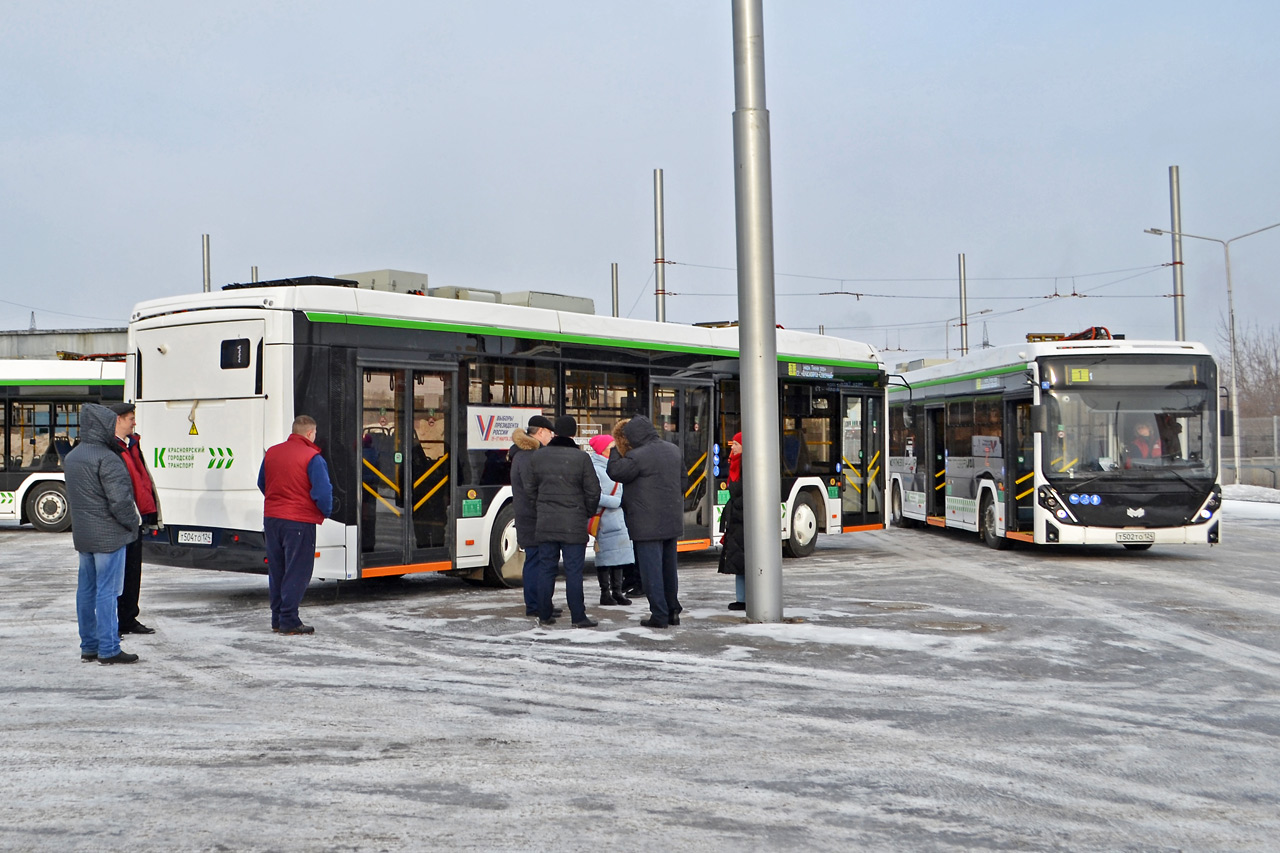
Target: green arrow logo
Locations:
point(221, 457)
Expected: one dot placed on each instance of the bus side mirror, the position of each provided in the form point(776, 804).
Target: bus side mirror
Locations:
point(907, 415)
point(1228, 423)
point(1039, 419)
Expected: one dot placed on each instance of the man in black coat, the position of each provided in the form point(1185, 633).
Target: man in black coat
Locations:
point(565, 491)
point(538, 434)
point(652, 472)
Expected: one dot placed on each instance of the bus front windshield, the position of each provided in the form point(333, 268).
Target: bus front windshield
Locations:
point(1129, 417)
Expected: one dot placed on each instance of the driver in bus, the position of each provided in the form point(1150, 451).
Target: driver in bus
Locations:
point(1142, 444)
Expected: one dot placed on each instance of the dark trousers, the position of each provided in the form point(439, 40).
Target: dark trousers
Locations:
point(656, 560)
point(574, 556)
point(127, 604)
point(534, 555)
point(291, 556)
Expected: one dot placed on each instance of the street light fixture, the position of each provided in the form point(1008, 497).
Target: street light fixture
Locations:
point(947, 331)
point(1231, 324)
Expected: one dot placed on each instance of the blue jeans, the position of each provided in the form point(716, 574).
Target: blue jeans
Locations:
point(100, 583)
point(656, 560)
point(291, 557)
point(574, 556)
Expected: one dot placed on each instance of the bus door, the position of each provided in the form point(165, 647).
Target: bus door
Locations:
point(682, 413)
point(1020, 463)
point(935, 468)
point(406, 470)
point(862, 461)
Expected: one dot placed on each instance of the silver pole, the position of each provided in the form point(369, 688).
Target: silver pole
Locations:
point(1235, 362)
point(757, 336)
point(659, 261)
point(1179, 297)
point(964, 312)
point(615, 289)
point(253, 272)
point(208, 280)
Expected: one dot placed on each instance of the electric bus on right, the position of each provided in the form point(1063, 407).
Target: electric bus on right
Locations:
point(1080, 439)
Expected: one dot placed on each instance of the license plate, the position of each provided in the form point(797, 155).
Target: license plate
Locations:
point(195, 537)
point(1135, 536)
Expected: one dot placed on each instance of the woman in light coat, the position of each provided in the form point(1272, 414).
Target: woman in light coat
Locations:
point(614, 553)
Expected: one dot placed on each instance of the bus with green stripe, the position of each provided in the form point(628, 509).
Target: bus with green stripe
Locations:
point(40, 422)
point(1081, 440)
point(416, 399)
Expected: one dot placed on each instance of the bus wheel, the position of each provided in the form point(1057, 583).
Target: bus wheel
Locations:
point(1137, 546)
point(990, 535)
point(505, 569)
point(47, 508)
point(896, 518)
point(804, 528)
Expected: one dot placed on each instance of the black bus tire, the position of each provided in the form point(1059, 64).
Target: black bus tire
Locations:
point(804, 527)
point(502, 550)
point(987, 525)
point(47, 508)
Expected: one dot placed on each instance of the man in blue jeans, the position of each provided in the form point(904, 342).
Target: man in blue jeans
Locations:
point(104, 520)
point(294, 480)
point(538, 434)
point(563, 486)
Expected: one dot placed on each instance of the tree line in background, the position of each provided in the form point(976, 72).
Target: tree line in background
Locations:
point(1258, 368)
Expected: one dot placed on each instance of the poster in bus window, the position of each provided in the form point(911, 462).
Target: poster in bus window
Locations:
point(491, 427)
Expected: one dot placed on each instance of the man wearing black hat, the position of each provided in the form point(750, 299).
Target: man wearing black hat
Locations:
point(144, 495)
point(538, 434)
point(565, 491)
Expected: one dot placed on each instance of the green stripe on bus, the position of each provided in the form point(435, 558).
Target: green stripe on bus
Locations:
point(964, 377)
point(587, 340)
point(60, 382)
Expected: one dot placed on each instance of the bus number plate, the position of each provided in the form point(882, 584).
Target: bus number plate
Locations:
point(195, 537)
point(1135, 536)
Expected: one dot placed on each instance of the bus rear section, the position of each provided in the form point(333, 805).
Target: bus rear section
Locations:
point(202, 413)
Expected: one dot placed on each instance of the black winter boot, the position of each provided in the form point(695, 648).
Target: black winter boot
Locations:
point(619, 597)
point(606, 596)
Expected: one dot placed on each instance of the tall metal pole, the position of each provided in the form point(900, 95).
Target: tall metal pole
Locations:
point(964, 311)
point(1235, 362)
point(757, 336)
point(615, 289)
point(1179, 297)
point(660, 258)
point(208, 280)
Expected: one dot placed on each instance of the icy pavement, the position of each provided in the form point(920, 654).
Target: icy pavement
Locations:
point(928, 694)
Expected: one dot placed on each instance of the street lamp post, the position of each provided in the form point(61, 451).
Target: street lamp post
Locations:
point(946, 336)
point(1231, 325)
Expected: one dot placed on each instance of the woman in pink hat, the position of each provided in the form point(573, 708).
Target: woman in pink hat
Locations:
point(614, 553)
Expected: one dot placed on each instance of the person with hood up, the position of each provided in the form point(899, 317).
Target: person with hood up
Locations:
point(733, 556)
point(565, 492)
point(539, 432)
point(104, 520)
point(613, 544)
point(652, 474)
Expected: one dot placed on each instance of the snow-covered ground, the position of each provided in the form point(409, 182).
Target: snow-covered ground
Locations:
point(926, 693)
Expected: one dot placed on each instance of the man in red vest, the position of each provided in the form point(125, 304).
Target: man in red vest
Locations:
point(294, 479)
point(144, 495)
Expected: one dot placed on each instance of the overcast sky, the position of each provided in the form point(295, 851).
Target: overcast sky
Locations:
point(511, 146)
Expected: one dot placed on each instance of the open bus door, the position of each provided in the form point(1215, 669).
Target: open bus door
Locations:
point(1020, 465)
point(406, 470)
point(934, 452)
point(682, 412)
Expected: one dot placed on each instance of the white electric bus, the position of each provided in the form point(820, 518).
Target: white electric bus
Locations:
point(416, 398)
point(1089, 441)
point(40, 422)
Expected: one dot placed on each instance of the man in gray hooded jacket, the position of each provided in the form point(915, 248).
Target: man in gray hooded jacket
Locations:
point(104, 520)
